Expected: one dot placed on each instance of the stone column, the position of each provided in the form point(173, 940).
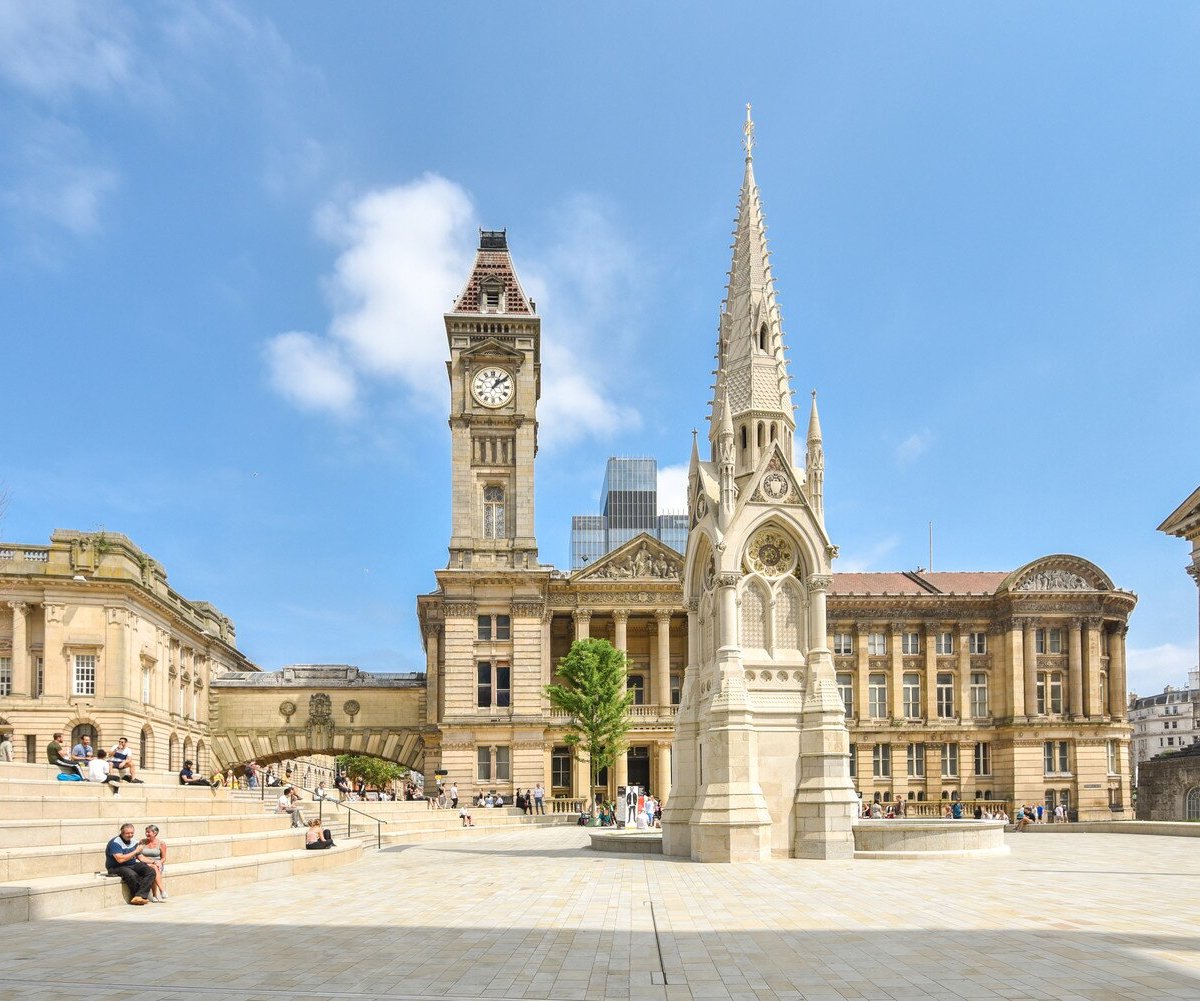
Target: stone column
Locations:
point(662, 770)
point(547, 659)
point(621, 642)
point(862, 681)
point(1118, 697)
point(21, 685)
point(431, 674)
point(931, 667)
point(1075, 667)
point(583, 622)
point(896, 682)
point(57, 668)
point(1030, 659)
point(1091, 688)
point(964, 673)
point(662, 669)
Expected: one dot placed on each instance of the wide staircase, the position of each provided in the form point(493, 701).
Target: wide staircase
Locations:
point(378, 824)
point(53, 835)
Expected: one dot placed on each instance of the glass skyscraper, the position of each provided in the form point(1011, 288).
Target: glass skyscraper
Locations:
point(629, 506)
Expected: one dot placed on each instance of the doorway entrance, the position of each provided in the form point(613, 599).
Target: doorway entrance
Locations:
point(638, 765)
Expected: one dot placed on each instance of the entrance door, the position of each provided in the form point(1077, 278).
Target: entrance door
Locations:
point(638, 763)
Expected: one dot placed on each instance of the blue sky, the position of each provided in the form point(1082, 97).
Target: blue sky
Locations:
point(228, 233)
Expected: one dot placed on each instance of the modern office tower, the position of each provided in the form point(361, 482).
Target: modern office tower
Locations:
point(629, 507)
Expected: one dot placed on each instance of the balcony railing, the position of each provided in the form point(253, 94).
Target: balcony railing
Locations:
point(639, 714)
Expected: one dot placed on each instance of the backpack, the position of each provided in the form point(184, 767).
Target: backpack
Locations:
point(64, 777)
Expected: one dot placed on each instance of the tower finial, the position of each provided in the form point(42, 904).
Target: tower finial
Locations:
point(748, 134)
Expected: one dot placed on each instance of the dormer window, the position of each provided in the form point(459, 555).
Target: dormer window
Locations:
point(492, 297)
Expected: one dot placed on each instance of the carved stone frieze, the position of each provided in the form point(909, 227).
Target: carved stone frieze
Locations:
point(642, 563)
point(528, 609)
point(461, 609)
point(1054, 580)
point(320, 710)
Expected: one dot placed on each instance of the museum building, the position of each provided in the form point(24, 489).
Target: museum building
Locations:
point(981, 685)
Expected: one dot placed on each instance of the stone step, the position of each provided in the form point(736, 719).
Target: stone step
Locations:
point(436, 829)
point(133, 799)
point(93, 831)
point(22, 864)
point(50, 896)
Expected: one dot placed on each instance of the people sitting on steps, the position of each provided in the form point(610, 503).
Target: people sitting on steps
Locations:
point(289, 802)
point(119, 760)
point(64, 762)
point(154, 854)
point(189, 778)
point(122, 857)
point(99, 771)
point(315, 838)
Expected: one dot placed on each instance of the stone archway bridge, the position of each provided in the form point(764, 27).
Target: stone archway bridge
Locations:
point(308, 709)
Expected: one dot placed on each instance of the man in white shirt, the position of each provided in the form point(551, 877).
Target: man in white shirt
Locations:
point(120, 760)
point(288, 804)
point(98, 771)
point(539, 800)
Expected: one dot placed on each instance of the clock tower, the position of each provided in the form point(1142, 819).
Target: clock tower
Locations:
point(494, 336)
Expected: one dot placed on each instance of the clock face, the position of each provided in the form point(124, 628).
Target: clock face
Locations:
point(775, 485)
point(493, 387)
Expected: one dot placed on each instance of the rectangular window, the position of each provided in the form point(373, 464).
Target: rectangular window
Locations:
point(843, 643)
point(845, 683)
point(877, 696)
point(949, 761)
point(881, 761)
point(876, 644)
point(560, 769)
point(6, 677)
point(912, 696)
point(503, 627)
point(493, 513)
point(1048, 641)
point(503, 685)
point(636, 683)
point(39, 679)
point(853, 762)
point(1057, 755)
point(483, 756)
point(979, 643)
point(1112, 757)
point(945, 642)
point(916, 761)
point(485, 627)
point(676, 687)
point(911, 643)
point(983, 758)
point(945, 695)
point(979, 694)
point(83, 681)
point(483, 673)
point(503, 767)
point(146, 685)
point(1049, 692)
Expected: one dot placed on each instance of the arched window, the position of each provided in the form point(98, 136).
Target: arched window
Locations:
point(200, 762)
point(1192, 807)
point(84, 729)
point(187, 750)
point(762, 338)
point(774, 428)
point(493, 512)
point(789, 615)
point(754, 617)
point(144, 748)
point(761, 440)
point(173, 761)
point(743, 437)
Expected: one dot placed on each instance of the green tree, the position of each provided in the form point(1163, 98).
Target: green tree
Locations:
point(374, 771)
point(596, 700)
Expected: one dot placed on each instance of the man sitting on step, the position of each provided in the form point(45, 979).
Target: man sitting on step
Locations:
point(121, 858)
point(289, 802)
point(65, 763)
point(119, 761)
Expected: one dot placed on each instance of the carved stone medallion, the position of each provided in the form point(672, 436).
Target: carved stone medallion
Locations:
point(770, 553)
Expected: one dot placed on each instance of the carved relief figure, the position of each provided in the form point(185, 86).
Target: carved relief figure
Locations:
point(1054, 580)
point(320, 710)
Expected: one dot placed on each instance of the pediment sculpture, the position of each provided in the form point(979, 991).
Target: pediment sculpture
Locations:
point(641, 563)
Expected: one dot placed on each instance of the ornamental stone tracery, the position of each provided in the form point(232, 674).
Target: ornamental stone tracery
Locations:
point(771, 553)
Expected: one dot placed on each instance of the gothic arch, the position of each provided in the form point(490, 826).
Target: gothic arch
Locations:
point(805, 537)
point(755, 615)
point(791, 632)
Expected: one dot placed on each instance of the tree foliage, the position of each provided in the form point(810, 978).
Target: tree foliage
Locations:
point(374, 771)
point(596, 699)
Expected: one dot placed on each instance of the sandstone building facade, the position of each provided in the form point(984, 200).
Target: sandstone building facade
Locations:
point(1007, 685)
point(94, 640)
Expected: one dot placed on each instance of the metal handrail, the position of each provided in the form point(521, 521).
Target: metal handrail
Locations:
point(349, 810)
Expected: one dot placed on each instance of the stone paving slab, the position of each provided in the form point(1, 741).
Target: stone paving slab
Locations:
point(535, 914)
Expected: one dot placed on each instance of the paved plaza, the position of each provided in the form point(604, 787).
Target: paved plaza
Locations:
point(534, 914)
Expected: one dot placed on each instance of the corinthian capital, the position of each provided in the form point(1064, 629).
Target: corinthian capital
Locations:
point(820, 582)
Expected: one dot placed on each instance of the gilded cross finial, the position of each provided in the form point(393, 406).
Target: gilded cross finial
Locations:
point(748, 133)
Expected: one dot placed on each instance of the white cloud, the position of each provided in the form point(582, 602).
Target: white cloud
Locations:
point(672, 489)
point(1153, 668)
point(310, 373)
point(867, 559)
point(54, 48)
point(913, 447)
point(404, 255)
